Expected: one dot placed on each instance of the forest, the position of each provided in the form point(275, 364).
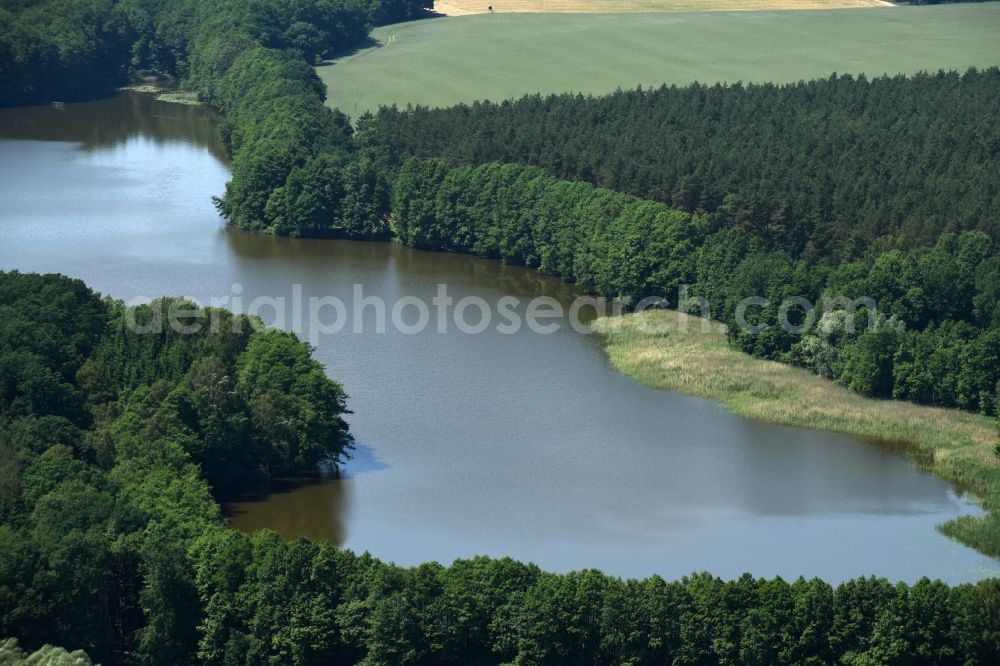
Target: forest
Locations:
point(116, 443)
point(75, 49)
point(822, 170)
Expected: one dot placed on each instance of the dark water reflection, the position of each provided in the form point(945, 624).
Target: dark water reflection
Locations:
point(315, 506)
point(295, 507)
point(433, 267)
point(105, 123)
point(525, 445)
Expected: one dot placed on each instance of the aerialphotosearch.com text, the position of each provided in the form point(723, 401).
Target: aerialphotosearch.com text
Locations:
point(315, 316)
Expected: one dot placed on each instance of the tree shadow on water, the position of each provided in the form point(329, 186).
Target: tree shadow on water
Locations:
point(363, 460)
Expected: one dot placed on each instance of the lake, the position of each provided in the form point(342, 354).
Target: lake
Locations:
point(521, 444)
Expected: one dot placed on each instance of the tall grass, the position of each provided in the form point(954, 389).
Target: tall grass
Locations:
point(671, 351)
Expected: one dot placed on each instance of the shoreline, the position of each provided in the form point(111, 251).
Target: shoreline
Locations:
point(697, 360)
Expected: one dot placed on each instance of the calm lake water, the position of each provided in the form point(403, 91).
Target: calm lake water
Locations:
point(525, 445)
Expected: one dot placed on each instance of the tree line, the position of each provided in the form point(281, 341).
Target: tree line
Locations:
point(74, 49)
point(116, 425)
point(828, 170)
point(113, 441)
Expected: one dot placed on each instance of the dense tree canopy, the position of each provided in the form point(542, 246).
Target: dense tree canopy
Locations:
point(822, 170)
point(11, 654)
point(69, 49)
point(114, 425)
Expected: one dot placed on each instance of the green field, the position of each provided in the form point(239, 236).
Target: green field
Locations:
point(439, 62)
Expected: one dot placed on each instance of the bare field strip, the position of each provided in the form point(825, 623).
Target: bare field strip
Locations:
point(467, 7)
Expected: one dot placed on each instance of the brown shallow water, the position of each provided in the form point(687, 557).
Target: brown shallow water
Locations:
point(525, 445)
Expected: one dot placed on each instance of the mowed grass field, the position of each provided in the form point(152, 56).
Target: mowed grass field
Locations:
point(464, 7)
point(440, 62)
